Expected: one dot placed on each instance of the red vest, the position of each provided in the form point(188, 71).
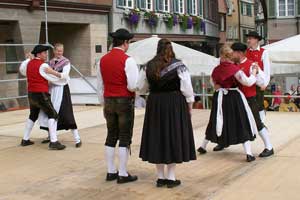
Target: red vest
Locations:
point(36, 83)
point(248, 91)
point(112, 68)
point(256, 56)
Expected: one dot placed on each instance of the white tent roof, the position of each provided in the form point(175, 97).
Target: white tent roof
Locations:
point(197, 62)
point(285, 51)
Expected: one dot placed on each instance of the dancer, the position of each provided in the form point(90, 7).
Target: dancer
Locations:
point(61, 97)
point(261, 57)
point(231, 120)
point(250, 92)
point(117, 78)
point(167, 133)
point(38, 74)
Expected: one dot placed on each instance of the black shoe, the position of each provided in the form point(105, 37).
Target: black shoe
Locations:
point(78, 145)
point(111, 176)
point(201, 150)
point(25, 143)
point(56, 146)
point(218, 148)
point(45, 141)
point(161, 182)
point(250, 158)
point(171, 183)
point(126, 179)
point(266, 153)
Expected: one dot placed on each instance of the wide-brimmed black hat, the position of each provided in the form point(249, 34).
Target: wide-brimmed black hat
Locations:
point(238, 46)
point(254, 34)
point(40, 48)
point(122, 34)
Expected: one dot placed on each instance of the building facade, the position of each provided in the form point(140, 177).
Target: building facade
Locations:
point(240, 19)
point(283, 19)
point(193, 23)
point(80, 25)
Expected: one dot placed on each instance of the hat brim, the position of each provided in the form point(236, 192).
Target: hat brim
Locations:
point(115, 35)
point(255, 36)
point(42, 49)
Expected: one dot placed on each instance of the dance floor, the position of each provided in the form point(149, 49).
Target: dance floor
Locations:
point(35, 173)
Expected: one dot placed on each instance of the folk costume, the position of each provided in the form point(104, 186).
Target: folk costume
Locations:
point(167, 137)
point(61, 100)
point(39, 97)
point(231, 120)
point(261, 57)
point(117, 77)
point(251, 94)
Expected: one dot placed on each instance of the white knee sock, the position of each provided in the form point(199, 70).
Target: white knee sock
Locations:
point(76, 135)
point(28, 128)
point(171, 171)
point(264, 134)
point(262, 115)
point(123, 158)
point(160, 171)
point(110, 159)
point(204, 143)
point(52, 125)
point(247, 148)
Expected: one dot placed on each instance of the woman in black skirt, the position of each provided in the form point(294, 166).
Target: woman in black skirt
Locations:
point(231, 120)
point(167, 133)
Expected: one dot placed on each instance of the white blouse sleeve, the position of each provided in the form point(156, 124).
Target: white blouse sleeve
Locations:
point(65, 76)
point(243, 79)
point(142, 84)
point(260, 78)
point(51, 78)
point(186, 85)
point(100, 87)
point(132, 73)
point(23, 67)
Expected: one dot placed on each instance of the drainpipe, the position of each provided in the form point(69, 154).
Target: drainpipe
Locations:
point(239, 19)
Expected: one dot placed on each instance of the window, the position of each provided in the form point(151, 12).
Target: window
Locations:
point(178, 6)
point(246, 9)
point(192, 7)
point(244, 35)
point(200, 7)
point(163, 5)
point(11, 56)
point(222, 22)
point(125, 3)
point(286, 8)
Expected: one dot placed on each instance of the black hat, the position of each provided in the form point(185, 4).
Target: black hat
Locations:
point(238, 46)
point(122, 34)
point(39, 48)
point(254, 34)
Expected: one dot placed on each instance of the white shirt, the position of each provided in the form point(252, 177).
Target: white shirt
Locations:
point(267, 68)
point(186, 87)
point(49, 77)
point(131, 71)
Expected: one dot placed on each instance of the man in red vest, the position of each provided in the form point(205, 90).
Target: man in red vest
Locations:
point(261, 57)
point(117, 78)
point(250, 93)
point(38, 74)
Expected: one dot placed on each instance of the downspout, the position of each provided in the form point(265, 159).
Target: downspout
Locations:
point(239, 19)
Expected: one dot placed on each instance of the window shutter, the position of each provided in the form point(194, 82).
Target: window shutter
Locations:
point(272, 8)
point(298, 7)
point(200, 6)
point(175, 6)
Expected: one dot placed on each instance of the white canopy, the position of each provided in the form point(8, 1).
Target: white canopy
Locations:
point(197, 62)
point(285, 55)
point(285, 51)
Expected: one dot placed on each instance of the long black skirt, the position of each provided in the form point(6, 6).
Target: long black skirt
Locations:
point(66, 119)
point(236, 125)
point(167, 132)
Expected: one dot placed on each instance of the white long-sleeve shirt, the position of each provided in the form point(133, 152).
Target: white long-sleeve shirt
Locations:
point(260, 76)
point(186, 87)
point(267, 68)
point(49, 77)
point(131, 71)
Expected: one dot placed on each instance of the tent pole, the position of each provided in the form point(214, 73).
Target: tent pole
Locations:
point(203, 91)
